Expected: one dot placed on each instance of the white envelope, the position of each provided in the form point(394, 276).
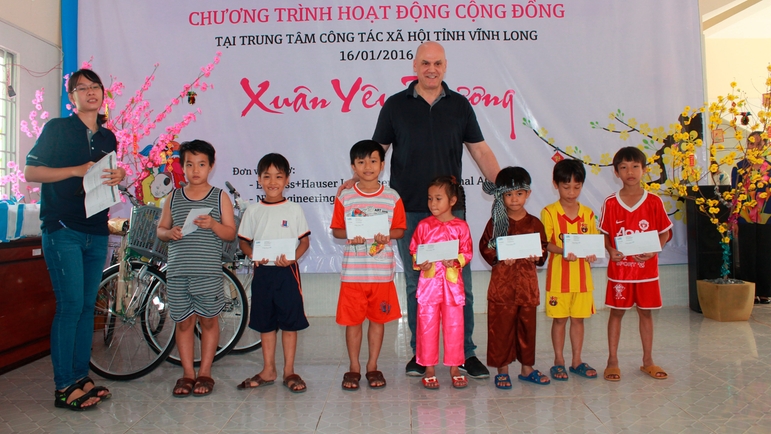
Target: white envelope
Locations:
point(189, 227)
point(518, 246)
point(583, 245)
point(434, 252)
point(272, 249)
point(638, 243)
point(367, 226)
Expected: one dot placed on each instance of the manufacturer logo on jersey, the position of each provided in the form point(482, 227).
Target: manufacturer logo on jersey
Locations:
point(284, 224)
point(644, 225)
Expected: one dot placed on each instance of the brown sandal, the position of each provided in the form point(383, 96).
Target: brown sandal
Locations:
point(376, 377)
point(351, 378)
point(247, 384)
point(295, 384)
point(207, 383)
point(186, 384)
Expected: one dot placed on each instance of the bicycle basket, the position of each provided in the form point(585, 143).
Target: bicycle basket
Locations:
point(142, 238)
point(230, 248)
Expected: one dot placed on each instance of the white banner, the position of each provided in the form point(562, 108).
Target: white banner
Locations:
point(308, 79)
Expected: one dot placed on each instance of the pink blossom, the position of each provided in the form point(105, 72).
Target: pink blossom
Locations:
point(44, 115)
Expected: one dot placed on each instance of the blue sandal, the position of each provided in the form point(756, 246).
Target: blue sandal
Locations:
point(535, 377)
point(581, 370)
point(501, 380)
point(558, 369)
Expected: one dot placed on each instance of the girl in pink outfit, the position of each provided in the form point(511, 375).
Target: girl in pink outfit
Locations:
point(440, 287)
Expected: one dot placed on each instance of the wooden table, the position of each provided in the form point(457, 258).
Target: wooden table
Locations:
point(27, 303)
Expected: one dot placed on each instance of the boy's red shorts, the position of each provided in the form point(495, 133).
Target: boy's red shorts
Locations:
point(376, 302)
point(625, 295)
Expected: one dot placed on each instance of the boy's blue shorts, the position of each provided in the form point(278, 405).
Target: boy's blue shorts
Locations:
point(277, 301)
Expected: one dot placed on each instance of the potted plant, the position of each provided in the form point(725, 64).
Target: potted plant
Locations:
point(731, 184)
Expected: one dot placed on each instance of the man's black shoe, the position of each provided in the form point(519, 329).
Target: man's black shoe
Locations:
point(415, 370)
point(474, 368)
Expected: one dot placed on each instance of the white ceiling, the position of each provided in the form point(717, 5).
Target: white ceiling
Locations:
point(751, 23)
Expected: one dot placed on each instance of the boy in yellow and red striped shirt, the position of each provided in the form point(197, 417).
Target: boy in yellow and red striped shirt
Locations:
point(568, 278)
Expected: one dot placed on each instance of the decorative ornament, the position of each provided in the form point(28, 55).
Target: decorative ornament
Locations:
point(717, 136)
point(767, 99)
point(745, 118)
point(191, 97)
point(557, 157)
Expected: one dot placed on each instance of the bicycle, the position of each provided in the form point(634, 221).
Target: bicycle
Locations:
point(242, 267)
point(133, 332)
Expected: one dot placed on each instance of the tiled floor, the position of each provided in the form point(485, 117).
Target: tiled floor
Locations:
point(720, 381)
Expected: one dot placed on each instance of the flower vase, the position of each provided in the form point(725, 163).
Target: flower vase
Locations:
point(726, 301)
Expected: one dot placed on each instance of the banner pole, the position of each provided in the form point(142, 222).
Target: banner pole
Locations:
point(69, 45)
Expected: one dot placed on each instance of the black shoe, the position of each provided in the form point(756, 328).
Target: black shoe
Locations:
point(413, 369)
point(474, 368)
point(764, 300)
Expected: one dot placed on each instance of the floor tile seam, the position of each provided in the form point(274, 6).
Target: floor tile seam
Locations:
point(150, 410)
point(234, 413)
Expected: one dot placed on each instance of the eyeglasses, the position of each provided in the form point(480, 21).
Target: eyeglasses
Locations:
point(94, 87)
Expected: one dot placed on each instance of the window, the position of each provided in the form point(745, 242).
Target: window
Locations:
point(8, 122)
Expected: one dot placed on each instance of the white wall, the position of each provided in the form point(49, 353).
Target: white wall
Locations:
point(38, 56)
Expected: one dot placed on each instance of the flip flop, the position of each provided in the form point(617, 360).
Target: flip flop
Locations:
point(652, 370)
point(612, 371)
point(375, 377)
point(294, 380)
point(558, 369)
point(207, 383)
point(582, 369)
point(459, 381)
point(501, 380)
point(186, 384)
point(430, 382)
point(247, 384)
point(351, 378)
point(535, 377)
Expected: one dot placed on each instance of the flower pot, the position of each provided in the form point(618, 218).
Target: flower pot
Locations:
point(726, 301)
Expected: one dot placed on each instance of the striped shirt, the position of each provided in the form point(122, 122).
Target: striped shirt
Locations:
point(200, 252)
point(562, 275)
point(369, 262)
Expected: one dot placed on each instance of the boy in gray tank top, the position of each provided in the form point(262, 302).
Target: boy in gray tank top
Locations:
point(194, 274)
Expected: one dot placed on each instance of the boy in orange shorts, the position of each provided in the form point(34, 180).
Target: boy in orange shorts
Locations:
point(632, 280)
point(367, 288)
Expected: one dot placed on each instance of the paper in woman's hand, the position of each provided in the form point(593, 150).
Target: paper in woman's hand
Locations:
point(100, 196)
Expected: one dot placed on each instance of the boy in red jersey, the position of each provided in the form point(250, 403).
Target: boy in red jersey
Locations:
point(632, 280)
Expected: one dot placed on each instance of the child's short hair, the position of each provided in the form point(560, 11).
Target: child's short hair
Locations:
point(629, 153)
point(196, 147)
point(276, 160)
point(365, 148)
point(453, 189)
point(516, 177)
point(569, 170)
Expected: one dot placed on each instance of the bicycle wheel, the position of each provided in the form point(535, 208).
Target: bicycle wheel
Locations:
point(232, 321)
point(130, 343)
point(251, 339)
